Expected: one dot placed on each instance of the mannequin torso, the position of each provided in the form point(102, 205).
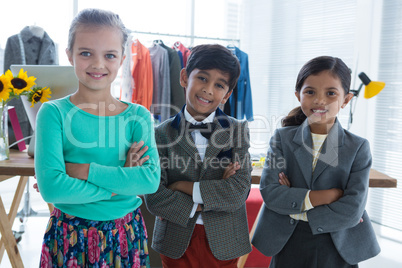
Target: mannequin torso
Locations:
point(37, 31)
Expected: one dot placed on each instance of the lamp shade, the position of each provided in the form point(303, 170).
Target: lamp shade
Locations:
point(371, 88)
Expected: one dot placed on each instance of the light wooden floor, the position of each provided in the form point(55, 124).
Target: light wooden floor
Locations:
point(31, 243)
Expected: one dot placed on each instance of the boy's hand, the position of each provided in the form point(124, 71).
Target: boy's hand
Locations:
point(182, 186)
point(283, 179)
point(231, 170)
point(135, 155)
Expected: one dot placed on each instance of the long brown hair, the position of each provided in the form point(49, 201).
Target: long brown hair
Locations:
point(314, 66)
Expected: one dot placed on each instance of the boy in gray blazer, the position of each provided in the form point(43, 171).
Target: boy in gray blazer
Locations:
point(200, 207)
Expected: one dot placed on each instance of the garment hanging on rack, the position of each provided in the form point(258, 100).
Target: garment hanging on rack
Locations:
point(142, 75)
point(177, 96)
point(177, 99)
point(161, 81)
point(181, 58)
point(241, 103)
point(185, 51)
point(127, 80)
point(33, 51)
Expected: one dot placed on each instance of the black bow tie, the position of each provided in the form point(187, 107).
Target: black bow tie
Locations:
point(205, 129)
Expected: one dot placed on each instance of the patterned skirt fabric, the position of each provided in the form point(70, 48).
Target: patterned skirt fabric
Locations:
point(75, 242)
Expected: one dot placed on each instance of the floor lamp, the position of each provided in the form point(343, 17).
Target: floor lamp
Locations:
point(371, 89)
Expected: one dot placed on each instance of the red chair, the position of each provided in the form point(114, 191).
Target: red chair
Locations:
point(255, 258)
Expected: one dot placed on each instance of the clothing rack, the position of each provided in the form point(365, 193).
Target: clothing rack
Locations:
point(192, 37)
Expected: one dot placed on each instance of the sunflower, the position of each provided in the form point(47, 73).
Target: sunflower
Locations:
point(4, 88)
point(21, 82)
point(39, 94)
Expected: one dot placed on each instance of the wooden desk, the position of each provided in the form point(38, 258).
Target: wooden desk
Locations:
point(19, 164)
point(377, 179)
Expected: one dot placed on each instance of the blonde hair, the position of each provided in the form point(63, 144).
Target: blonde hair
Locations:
point(98, 18)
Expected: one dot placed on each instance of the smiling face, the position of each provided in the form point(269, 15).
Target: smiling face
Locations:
point(96, 56)
point(321, 97)
point(205, 90)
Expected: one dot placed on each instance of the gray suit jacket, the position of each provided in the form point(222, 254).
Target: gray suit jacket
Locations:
point(224, 210)
point(344, 163)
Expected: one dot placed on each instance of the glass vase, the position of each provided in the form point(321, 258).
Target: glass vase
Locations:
point(4, 150)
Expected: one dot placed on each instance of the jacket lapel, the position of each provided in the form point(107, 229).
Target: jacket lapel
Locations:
point(46, 45)
point(329, 152)
point(303, 152)
point(184, 138)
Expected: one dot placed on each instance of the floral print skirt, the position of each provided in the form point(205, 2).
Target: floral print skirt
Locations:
point(70, 241)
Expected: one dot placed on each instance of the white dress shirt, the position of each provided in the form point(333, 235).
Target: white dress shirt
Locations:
point(201, 144)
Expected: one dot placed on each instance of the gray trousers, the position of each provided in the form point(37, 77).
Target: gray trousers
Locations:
point(305, 250)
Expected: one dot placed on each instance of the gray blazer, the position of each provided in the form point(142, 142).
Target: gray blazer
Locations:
point(224, 209)
point(344, 163)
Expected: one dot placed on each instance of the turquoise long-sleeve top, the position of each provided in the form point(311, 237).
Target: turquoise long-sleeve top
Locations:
point(66, 133)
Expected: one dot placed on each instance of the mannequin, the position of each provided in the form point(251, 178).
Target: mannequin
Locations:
point(39, 49)
point(37, 31)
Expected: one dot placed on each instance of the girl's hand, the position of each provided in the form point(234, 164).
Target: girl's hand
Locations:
point(79, 171)
point(35, 185)
point(283, 179)
point(135, 155)
point(231, 170)
point(334, 194)
point(325, 197)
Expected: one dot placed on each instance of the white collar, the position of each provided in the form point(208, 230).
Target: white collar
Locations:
point(191, 119)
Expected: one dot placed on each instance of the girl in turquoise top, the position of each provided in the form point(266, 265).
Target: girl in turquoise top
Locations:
point(87, 160)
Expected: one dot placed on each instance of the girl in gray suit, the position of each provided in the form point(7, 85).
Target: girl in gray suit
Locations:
point(315, 180)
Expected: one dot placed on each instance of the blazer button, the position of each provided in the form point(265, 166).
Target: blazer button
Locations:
point(294, 204)
point(292, 221)
point(319, 229)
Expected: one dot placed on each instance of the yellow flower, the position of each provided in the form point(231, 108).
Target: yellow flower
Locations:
point(54, 246)
point(21, 82)
point(117, 262)
point(4, 88)
point(73, 238)
point(60, 258)
point(39, 94)
point(49, 225)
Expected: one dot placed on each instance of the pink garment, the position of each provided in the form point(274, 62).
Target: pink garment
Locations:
point(185, 51)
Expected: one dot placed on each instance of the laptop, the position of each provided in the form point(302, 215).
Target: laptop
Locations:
point(61, 80)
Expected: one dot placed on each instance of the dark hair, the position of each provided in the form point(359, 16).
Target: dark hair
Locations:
point(96, 17)
point(313, 67)
point(207, 57)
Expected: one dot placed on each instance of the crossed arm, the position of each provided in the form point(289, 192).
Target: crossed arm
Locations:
point(187, 186)
point(317, 197)
point(320, 197)
point(135, 157)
